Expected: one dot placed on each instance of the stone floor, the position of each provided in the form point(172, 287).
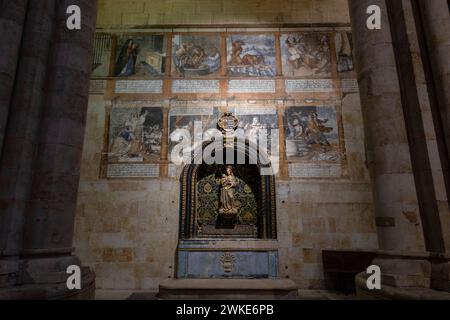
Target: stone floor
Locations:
point(147, 295)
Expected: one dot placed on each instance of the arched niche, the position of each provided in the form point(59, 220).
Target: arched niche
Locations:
point(256, 179)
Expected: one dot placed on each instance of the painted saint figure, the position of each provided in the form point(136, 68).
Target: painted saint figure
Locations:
point(253, 130)
point(130, 142)
point(228, 183)
point(344, 51)
point(136, 123)
point(126, 64)
point(316, 129)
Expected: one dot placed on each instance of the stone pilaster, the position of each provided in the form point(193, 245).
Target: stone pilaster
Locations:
point(12, 17)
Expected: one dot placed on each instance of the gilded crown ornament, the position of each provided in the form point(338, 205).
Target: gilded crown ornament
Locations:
point(228, 124)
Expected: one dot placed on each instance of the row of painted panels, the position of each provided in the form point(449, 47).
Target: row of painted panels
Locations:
point(312, 133)
point(303, 54)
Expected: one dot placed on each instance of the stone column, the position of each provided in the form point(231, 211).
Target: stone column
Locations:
point(12, 17)
point(49, 221)
point(387, 146)
point(16, 165)
point(402, 257)
point(436, 20)
point(433, 22)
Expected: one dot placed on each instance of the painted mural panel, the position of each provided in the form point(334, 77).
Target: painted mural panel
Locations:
point(251, 55)
point(135, 135)
point(312, 134)
point(195, 55)
point(184, 119)
point(254, 122)
point(141, 56)
point(306, 55)
point(344, 52)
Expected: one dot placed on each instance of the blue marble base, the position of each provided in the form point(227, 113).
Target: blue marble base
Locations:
point(205, 260)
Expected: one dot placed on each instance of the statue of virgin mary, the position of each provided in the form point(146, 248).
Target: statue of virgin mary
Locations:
point(227, 201)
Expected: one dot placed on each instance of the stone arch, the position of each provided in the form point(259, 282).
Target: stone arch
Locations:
point(266, 191)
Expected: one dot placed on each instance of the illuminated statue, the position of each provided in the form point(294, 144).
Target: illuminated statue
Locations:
point(228, 183)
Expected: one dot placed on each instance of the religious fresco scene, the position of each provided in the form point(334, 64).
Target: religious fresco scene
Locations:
point(306, 55)
point(344, 52)
point(196, 55)
point(135, 135)
point(251, 55)
point(183, 121)
point(253, 125)
point(312, 134)
point(142, 56)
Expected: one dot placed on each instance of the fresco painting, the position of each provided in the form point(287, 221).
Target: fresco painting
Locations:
point(312, 134)
point(253, 126)
point(344, 52)
point(195, 55)
point(142, 56)
point(135, 134)
point(183, 121)
point(306, 55)
point(251, 55)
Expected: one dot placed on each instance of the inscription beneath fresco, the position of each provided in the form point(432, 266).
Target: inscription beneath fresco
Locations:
point(309, 85)
point(97, 86)
point(195, 86)
point(139, 86)
point(302, 170)
point(251, 110)
point(133, 170)
point(251, 86)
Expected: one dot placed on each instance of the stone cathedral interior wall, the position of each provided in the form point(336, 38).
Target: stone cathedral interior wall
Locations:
point(239, 56)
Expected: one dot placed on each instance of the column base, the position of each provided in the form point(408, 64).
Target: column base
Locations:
point(388, 292)
point(44, 278)
point(52, 291)
point(441, 276)
point(406, 278)
point(9, 269)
